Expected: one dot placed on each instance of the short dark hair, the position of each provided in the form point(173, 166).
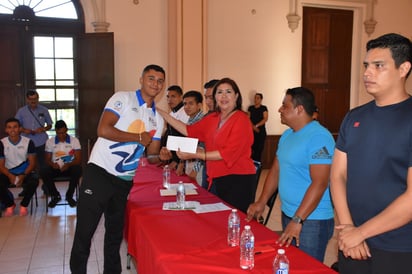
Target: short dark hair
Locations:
point(303, 96)
point(155, 68)
point(11, 120)
point(60, 124)
point(259, 94)
point(235, 88)
point(31, 92)
point(176, 88)
point(195, 94)
point(399, 46)
point(211, 83)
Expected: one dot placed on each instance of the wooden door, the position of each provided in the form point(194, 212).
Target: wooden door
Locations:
point(11, 80)
point(95, 70)
point(96, 83)
point(326, 61)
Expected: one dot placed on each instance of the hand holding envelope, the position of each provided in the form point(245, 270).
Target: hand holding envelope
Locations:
point(184, 144)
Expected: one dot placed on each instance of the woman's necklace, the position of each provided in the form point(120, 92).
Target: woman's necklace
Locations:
point(223, 120)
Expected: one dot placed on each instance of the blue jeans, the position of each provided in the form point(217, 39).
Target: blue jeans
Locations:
point(314, 236)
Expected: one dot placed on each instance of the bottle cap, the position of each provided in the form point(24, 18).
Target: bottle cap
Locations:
point(247, 226)
point(234, 210)
point(281, 251)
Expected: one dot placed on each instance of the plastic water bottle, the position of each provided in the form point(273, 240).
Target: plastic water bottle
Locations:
point(233, 228)
point(166, 176)
point(281, 263)
point(180, 195)
point(247, 249)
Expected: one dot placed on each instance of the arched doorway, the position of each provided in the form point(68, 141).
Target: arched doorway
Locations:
point(37, 50)
point(43, 46)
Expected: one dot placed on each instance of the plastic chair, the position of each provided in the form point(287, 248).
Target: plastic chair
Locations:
point(258, 166)
point(270, 203)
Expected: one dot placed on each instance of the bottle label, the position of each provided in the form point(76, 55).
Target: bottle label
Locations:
point(283, 268)
point(180, 196)
point(233, 224)
point(166, 178)
point(249, 244)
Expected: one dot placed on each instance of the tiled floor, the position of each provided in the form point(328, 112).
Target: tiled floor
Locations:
point(41, 244)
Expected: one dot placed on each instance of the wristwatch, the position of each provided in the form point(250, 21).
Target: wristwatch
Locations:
point(297, 219)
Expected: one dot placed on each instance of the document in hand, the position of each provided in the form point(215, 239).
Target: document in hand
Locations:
point(184, 144)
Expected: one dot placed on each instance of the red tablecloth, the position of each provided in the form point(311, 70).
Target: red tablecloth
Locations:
point(186, 242)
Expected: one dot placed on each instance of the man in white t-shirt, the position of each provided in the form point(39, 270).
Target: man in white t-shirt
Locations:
point(17, 164)
point(63, 158)
point(129, 126)
point(175, 101)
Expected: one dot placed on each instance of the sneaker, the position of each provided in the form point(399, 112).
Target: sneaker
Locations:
point(9, 211)
point(54, 201)
point(23, 211)
point(71, 202)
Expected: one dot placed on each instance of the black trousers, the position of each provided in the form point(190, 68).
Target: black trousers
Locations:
point(381, 262)
point(48, 174)
point(237, 190)
point(100, 193)
point(258, 145)
point(30, 183)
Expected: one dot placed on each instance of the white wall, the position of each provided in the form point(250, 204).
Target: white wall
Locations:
point(250, 42)
point(140, 33)
point(247, 40)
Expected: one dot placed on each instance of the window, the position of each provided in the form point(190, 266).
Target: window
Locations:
point(54, 77)
point(27, 9)
point(48, 32)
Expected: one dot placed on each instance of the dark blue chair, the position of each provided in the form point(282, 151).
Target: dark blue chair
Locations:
point(271, 202)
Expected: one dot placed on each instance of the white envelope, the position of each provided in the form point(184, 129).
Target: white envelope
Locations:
point(185, 144)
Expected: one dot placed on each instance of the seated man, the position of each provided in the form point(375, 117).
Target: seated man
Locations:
point(175, 101)
point(193, 104)
point(17, 164)
point(63, 158)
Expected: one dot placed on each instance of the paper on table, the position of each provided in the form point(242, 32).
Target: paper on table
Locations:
point(187, 186)
point(189, 205)
point(211, 208)
point(185, 144)
point(172, 192)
